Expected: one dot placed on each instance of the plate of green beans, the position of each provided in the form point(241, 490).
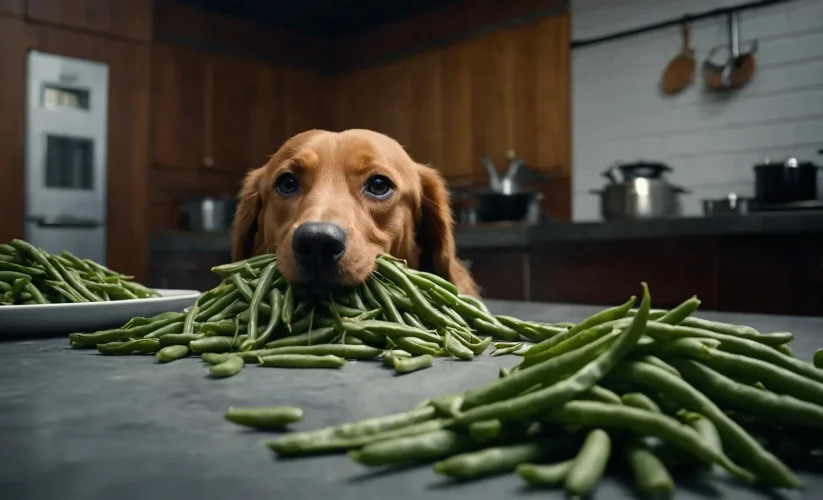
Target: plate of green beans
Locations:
point(43, 293)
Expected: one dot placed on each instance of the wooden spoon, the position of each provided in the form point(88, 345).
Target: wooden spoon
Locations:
point(679, 74)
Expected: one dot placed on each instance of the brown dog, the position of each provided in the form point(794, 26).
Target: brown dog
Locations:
point(329, 203)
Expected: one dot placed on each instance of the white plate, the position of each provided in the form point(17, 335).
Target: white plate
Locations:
point(53, 319)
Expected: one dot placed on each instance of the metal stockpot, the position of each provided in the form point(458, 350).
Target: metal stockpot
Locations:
point(639, 197)
point(207, 214)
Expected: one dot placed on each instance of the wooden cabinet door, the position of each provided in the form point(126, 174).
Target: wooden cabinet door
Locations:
point(12, 128)
point(239, 123)
point(123, 18)
point(178, 106)
point(11, 7)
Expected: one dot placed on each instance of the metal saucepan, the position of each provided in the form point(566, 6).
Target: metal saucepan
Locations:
point(644, 192)
point(207, 214)
point(730, 205)
point(738, 67)
point(786, 181)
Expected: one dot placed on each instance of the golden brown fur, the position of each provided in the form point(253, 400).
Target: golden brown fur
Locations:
point(414, 223)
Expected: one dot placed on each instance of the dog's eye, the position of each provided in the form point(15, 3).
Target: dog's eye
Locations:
point(287, 184)
point(379, 186)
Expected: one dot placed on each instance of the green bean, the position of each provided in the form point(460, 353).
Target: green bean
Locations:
point(545, 475)
point(302, 361)
point(780, 379)
point(681, 312)
point(35, 294)
point(228, 368)
point(390, 356)
point(490, 461)
point(422, 307)
point(586, 377)
point(768, 467)
point(218, 306)
point(345, 312)
point(572, 343)
point(369, 297)
point(476, 302)
point(785, 350)
point(654, 360)
point(591, 413)
point(417, 346)
point(411, 320)
point(485, 430)
point(503, 372)
point(309, 321)
point(340, 350)
point(220, 328)
point(215, 358)
point(226, 270)
point(705, 428)
point(521, 379)
point(413, 364)
point(7, 249)
point(391, 330)
point(288, 307)
point(589, 464)
point(453, 346)
point(140, 346)
point(496, 330)
point(641, 401)
point(411, 449)
point(462, 307)
point(437, 280)
point(176, 327)
point(17, 268)
point(384, 300)
point(536, 332)
point(106, 336)
point(70, 276)
point(172, 353)
point(724, 328)
point(276, 417)
point(211, 344)
point(451, 313)
point(12, 276)
point(499, 351)
point(611, 314)
point(171, 339)
point(651, 477)
point(598, 393)
point(319, 336)
point(260, 290)
point(38, 256)
point(737, 345)
point(818, 359)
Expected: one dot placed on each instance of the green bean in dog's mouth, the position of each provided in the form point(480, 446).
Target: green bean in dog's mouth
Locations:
point(30, 275)
point(666, 390)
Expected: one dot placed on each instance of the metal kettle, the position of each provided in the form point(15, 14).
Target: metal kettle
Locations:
point(643, 193)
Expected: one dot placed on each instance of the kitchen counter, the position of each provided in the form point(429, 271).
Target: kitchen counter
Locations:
point(515, 235)
point(77, 425)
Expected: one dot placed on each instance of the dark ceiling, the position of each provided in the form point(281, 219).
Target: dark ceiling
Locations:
point(322, 18)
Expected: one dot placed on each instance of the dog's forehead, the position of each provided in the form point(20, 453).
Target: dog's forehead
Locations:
point(351, 150)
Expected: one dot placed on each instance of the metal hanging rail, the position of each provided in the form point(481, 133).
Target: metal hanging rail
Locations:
point(687, 18)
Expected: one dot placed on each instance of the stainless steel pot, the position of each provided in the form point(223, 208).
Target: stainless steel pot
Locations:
point(207, 214)
point(730, 205)
point(639, 197)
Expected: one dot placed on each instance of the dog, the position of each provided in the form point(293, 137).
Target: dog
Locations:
point(328, 203)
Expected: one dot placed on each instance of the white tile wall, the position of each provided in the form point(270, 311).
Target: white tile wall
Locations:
point(712, 142)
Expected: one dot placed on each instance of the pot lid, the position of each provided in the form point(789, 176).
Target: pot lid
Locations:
point(641, 168)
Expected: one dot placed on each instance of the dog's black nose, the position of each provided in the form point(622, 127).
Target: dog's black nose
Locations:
point(318, 244)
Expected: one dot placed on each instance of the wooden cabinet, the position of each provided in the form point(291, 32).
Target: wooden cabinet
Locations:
point(121, 18)
point(185, 270)
point(210, 111)
point(11, 8)
point(178, 106)
point(239, 120)
point(12, 121)
point(500, 273)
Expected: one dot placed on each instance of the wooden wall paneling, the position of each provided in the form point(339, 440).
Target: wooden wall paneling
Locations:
point(12, 8)
point(608, 272)
point(12, 128)
point(170, 186)
point(425, 127)
point(499, 273)
point(241, 106)
point(121, 18)
point(178, 106)
point(456, 104)
point(128, 137)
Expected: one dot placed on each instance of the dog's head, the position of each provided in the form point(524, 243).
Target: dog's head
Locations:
point(329, 203)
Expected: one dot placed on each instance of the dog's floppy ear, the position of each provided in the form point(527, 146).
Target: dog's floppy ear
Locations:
point(245, 227)
point(434, 233)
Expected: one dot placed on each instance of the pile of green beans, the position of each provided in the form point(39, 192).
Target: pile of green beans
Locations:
point(658, 392)
point(30, 275)
point(405, 317)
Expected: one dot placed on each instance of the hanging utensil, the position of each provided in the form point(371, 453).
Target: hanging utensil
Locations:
point(679, 74)
point(738, 68)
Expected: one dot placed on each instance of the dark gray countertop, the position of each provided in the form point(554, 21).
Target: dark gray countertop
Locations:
point(77, 425)
point(513, 236)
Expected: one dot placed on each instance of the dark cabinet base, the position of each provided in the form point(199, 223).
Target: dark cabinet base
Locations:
point(185, 270)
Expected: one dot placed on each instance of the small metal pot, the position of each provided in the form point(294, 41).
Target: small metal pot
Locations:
point(498, 207)
point(207, 214)
point(786, 181)
point(640, 198)
point(730, 205)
